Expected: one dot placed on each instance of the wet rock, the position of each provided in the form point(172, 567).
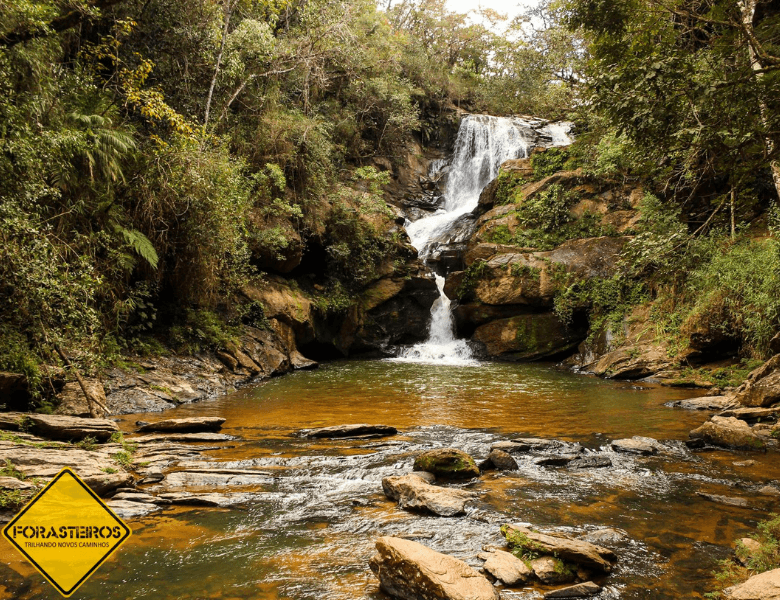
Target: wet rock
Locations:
point(413, 492)
point(581, 590)
point(579, 552)
point(181, 437)
point(728, 432)
point(707, 403)
point(71, 400)
point(213, 500)
point(137, 497)
point(641, 446)
point(551, 570)
point(727, 500)
point(346, 431)
point(762, 387)
point(518, 445)
point(590, 461)
point(190, 425)
point(447, 462)
point(769, 490)
point(216, 478)
point(506, 567)
point(744, 463)
point(412, 571)
point(125, 509)
point(502, 460)
point(61, 427)
point(556, 460)
point(765, 586)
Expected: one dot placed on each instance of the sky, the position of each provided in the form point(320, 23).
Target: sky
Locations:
point(510, 7)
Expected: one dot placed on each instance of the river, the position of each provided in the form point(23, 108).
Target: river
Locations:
point(309, 532)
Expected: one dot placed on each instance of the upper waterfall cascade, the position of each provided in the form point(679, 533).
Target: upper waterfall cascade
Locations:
point(482, 145)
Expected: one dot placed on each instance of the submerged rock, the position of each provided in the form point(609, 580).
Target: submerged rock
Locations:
point(447, 462)
point(579, 552)
point(727, 500)
point(412, 492)
point(360, 430)
point(518, 445)
point(506, 567)
point(581, 590)
point(590, 461)
point(189, 425)
point(729, 432)
point(411, 571)
point(765, 586)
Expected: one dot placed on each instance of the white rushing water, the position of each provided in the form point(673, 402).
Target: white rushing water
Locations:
point(483, 143)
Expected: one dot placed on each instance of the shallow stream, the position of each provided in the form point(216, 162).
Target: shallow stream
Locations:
point(310, 532)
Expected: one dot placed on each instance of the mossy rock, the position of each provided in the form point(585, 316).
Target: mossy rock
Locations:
point(447, 462)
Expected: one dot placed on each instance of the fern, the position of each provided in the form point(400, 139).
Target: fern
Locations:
point(141, 244)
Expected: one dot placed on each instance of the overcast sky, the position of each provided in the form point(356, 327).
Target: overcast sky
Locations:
point(509, 7)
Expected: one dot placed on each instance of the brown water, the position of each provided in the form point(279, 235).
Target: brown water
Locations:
point(310, 532)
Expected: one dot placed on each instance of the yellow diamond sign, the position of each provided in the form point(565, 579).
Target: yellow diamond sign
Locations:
point(66, 532)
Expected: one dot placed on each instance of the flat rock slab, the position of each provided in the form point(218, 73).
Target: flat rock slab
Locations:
point(581, 590)
point(528, 445)
point(579, 552)
point(765, 586)
point(138, 497)
point(346, 431)
point(556, 460)
point(213, 500)
point(9, 421)
point(412, 571)
point(189, 425)
point(46, 462)
point(61, 427)
point(707, 403)
point(181, 437)
point(506, 567)
point(728, 432)
point(412, 492)
point(12, 483)
point(205, 479)
point(641, 446)
point(727, 500)
point(590, 462)
point(131, 510)
point(751, 414)
point(447, 462)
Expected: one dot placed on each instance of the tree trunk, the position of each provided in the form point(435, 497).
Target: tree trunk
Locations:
point(228, 12)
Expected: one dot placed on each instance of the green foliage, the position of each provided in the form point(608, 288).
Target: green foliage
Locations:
point(475, 272)
point(9, 470)
point(89, 443)
point(550, 162)
point(200, 330)
point(508, 188)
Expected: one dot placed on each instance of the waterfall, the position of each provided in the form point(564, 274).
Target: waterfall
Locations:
point(482, 144)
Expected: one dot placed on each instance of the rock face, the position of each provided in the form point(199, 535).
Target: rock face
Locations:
point(579, 552)
point(345, 431)
point(729, 432)
point(190, 425)
point(762, 387)
point(60, 427)
point(73, 403)
point(412, 492)
point(447, 462)
point(528, 337)
point(765, 586)
point(411, 571)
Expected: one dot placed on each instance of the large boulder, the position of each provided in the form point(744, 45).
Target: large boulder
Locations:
point(728, 432)
point(529, 337)
point(412, 492)
point(585, 554)
point(765, 586)
point(411, 571)
point(447, 462)
point(72, 402)
point(762, 387)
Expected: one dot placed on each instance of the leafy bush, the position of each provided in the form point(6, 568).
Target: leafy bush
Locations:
point(550, 162)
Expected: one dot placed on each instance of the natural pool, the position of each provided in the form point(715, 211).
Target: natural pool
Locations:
point(310, 532)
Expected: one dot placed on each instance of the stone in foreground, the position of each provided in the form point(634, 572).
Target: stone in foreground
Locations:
point(506, 567)
point(412, 492)
point(502, 460)
point(346, 431)
point(729, 432)
point(579, 552)
point(447, 462)
point(581, 590)
point(189, 425)
point(765, 586)
point(61, 427)
point(551, 570)
point(411, 571)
